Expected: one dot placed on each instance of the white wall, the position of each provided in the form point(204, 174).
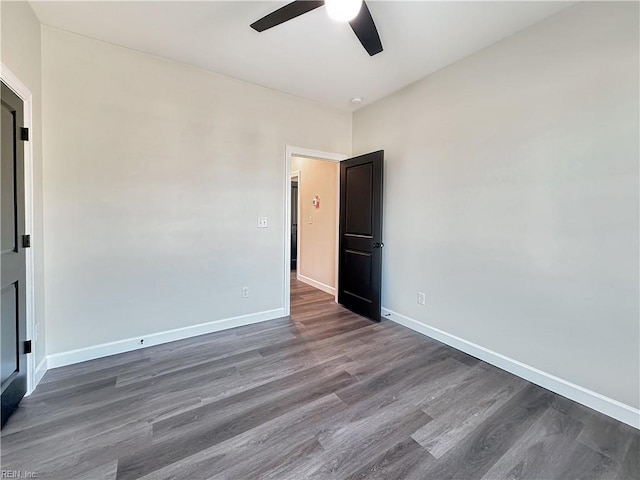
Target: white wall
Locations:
point(317, 254)
point(511, 197)
point(21, 54)
point(155, 174)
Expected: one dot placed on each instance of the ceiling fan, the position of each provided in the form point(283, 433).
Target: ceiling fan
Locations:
point(355, 12)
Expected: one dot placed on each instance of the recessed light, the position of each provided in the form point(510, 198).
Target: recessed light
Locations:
point(356, 100)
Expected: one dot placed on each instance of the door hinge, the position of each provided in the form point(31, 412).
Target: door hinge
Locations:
point(26, 241)
point(27, 346)
point(24, 134)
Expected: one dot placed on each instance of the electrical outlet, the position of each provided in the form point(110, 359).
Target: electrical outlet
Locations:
point(263, 222)
point(245, 292)
point(421, 298)
point(310, 220)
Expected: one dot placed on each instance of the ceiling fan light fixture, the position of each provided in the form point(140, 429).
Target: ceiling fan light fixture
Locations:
point(343, 10)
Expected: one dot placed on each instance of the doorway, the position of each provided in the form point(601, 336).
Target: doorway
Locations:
point(314, 221)
point(355, 231)
point(294, 173)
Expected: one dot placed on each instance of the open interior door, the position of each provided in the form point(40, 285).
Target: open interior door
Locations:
point(13, 345)
point(360, 262)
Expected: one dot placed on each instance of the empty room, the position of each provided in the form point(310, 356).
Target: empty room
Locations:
point(332, 239)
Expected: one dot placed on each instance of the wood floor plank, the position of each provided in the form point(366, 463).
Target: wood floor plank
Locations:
point(94, 449)
point(360, 433)
point(398, 378)
point(630, 466)
point(102, 472)
point(94, 367)
point(586, 464)
point(91, 376)
point(603, 436)
point(479, 395)
point(170, 366)
point(394, 464)
point(172, 447)
point(479, 451)
point(269, 438)
point(260, 395)
point(322, 394)
point(542, 451)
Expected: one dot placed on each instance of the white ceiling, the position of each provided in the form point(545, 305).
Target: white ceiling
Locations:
point(311, 56)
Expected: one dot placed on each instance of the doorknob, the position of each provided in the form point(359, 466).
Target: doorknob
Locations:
point(378, 245)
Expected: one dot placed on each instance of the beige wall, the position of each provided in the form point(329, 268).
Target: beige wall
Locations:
point(511, 197)
point(21, 54)
point(317, 255)
point(155, 175)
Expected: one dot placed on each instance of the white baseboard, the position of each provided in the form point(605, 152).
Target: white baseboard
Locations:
point(112, 348)
point(589, 398)
point(316, 284)
point(41, 369)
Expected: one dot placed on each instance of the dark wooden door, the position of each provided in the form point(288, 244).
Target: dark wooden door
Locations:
point(13, 275)
point(360, 263)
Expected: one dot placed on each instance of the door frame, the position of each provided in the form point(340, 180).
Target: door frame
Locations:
point(21, 90)
point(290, 152)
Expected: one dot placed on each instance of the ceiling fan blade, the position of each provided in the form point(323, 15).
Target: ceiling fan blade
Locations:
point(286, 13)
point(366, 31)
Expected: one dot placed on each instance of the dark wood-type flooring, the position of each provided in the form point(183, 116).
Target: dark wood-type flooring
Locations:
point(325, 394)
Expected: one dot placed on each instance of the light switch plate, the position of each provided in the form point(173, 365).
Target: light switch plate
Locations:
point(310, 219)
point(263, 222)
